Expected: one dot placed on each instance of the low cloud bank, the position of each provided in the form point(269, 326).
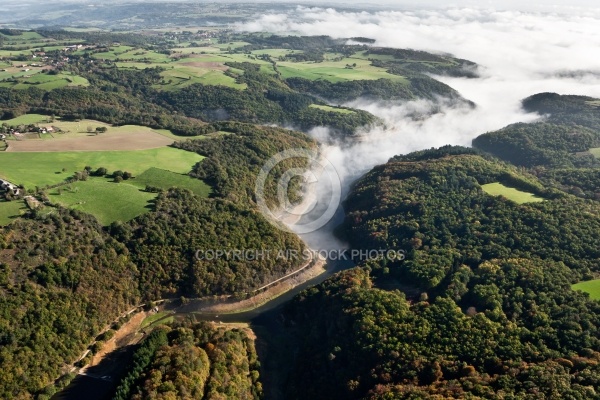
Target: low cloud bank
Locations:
point(519, 54)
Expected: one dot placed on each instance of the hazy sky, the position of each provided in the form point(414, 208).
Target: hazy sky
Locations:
point(498, 4)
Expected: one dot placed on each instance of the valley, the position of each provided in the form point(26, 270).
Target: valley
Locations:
point(206, 201)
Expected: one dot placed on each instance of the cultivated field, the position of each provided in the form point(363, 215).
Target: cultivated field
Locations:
point(76, 136)
point(591, 287)
point(518, 196)
point(128, 137)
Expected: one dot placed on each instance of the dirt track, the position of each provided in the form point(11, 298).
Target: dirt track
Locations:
point(125, 336)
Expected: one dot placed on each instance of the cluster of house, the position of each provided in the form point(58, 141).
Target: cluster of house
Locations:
point(42, 129)
point(47, 129)
point(73, 47)
point(6, 187)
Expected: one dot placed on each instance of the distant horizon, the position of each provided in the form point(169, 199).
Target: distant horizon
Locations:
point(494, 4)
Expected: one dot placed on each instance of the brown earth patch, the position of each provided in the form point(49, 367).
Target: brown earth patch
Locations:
point(217, 66)
point(142, 140)
point(126, 335)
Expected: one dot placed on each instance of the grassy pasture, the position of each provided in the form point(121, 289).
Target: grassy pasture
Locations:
point(14, 72)
point(49, 82)
point(14, 53)
point(34, 78)
point(184, 72)
point(131, 53)
point(332, 109)
point(275, 53)
point(224, 57)
point(72, 127)
point(27, 119)
point(166, 179)
point(168, 134)
point(518, 196)
point(590, 287)
point(108, 201)
point(9, 210)
point(184, 75)
point(75, 136)
point(41, 169)
point(382, 57)
point(232, 45)
point(336, 71)
point(23, 37)
point(149, 320)
point(196, 50)
point(595, 152)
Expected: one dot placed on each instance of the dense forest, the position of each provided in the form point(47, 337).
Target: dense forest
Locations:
point(193, 361)
point(486, 310)
point(55, 274)
point(556, 149)
point(57, 268)
point(496, 317)
point(164, 244)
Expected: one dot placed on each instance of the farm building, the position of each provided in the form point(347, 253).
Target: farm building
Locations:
point(7, 187)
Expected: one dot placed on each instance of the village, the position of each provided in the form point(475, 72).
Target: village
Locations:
point(22, 131)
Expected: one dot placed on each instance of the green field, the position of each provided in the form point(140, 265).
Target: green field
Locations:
point(35, 78)
point(336, 71)
point(182, 76)
point(275, 53)
point(595, 152)
point(73, 129)
point(26, 119)
point(196, 50)
point(106, 200)
point(9, 210)
point(518, 196)
point(590, 287)
point(40, 169)
point(332, 109)
point(24, 36)
point(231, 45)
point(156, 317)
point(131, 53)
point(188, 71)
point(166, 179)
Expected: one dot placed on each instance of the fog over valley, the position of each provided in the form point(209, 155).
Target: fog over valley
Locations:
point(299, 200)
point(518, 54)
